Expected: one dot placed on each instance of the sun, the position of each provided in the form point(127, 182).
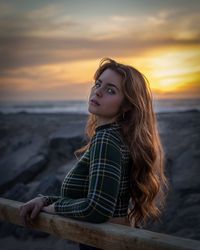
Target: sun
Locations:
point(173, 70)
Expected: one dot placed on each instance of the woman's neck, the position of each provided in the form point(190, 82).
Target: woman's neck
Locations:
point(101, 121)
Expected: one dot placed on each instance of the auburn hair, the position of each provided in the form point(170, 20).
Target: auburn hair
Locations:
point(148, 183)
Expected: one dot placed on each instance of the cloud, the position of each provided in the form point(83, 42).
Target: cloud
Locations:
point(42, 36)
point(24, 51)
point(36, 41)
point(47, 20)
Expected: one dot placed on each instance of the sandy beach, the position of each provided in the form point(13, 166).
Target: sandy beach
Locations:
point(36, 151)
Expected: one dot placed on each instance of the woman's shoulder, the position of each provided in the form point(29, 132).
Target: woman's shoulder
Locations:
point(109, 134)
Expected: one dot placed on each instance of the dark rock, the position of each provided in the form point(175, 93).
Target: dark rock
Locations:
point(188, 166)
point(22, 165)
point(192, 199)
point(64, 142)
point(18, 192)
point(49, 185)
point(27, 172)
point(25, 233)
point(8, 229)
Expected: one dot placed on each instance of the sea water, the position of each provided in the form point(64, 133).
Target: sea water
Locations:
point(80, 106)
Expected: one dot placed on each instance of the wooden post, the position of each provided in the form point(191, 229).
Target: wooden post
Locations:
point(105, 235)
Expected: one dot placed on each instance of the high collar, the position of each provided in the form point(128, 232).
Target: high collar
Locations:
point(113, 125)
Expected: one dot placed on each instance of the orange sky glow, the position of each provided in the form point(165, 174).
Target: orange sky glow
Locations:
point(50, 53)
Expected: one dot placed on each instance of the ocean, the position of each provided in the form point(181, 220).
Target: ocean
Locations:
point(80, 107)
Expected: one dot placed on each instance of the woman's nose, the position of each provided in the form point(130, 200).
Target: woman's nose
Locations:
point(99, 91)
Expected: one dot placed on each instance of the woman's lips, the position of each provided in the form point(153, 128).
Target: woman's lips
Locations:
point(94, 102)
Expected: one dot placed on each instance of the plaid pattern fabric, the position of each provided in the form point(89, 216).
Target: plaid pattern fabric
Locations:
point(97, 187)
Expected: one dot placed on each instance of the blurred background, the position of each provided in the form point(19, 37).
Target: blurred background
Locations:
point(49, 50)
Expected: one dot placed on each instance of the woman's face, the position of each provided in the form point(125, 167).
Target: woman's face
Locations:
point(106, 97)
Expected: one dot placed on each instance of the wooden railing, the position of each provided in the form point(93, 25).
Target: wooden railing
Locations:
point(104, 235)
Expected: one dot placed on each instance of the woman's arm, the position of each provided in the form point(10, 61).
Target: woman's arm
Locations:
point(104, 182)
point(49, 199)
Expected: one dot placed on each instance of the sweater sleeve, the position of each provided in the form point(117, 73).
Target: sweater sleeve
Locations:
point(49, 199)
point(104, 182)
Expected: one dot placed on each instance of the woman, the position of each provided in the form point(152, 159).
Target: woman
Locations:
point(120, 176)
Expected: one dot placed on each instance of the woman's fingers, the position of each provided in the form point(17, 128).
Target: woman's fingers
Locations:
point(28, 212)
point(29, 222)
point(24, 213)
point(35, 211)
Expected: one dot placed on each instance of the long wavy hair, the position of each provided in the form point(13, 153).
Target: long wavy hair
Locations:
point(148, 184)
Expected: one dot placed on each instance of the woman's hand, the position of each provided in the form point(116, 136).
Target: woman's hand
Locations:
point(49, 209)
point(30, 210)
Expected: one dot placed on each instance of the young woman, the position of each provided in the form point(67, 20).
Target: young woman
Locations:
point(120, 176)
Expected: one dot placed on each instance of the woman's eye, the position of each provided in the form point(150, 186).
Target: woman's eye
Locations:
point(97, 84)
point(111, 91)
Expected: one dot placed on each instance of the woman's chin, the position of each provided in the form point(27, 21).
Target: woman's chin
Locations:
point(91, 110)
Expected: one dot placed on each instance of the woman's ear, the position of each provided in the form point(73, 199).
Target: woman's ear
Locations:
point(126, 107)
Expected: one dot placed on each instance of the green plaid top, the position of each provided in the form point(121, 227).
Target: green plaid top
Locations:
point(97, 187)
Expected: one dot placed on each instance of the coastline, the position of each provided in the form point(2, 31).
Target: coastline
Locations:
point(52, 139)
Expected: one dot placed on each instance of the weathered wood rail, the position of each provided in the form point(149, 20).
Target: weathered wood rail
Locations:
point(105, 235)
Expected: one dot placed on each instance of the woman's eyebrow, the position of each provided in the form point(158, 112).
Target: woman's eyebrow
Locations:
point(109, 84)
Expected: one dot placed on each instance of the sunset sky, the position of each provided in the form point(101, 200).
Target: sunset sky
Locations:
point(49, 50)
